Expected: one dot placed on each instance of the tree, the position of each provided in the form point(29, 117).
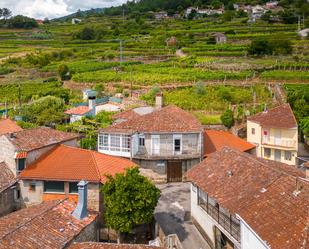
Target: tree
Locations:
point(44, 111)
point(22, 22)
point(130, 199)
point(5, 13)
point(64, 72)
point(227, 118)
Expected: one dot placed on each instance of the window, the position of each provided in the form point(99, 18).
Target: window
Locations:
point(73, 188)
point(252, 131)
point(115, 142)
point(288, 155)
point(265, 133)
point(21, 164)
point(177, 144)
point(267, 152)
point(32, 186)
point(141, 141)
point(155, 139)
point(57, 187)
point(103, 141)
point(126, 143)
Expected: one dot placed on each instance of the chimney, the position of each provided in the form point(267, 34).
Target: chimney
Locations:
point(80, 211)
point(92, 103)
point(159, 100)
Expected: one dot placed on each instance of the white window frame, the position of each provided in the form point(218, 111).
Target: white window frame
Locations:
point(141, 136)
point(153, 138)
point(176, 137)
point(285, 155)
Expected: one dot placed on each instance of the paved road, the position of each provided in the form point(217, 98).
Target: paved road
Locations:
point(173, 215)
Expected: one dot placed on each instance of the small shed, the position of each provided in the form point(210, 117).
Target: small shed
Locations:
point(172, 41)
point(76, 20)
point(219, 37)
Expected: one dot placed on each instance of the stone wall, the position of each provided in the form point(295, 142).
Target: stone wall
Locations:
point(7, 153)
point(7, 202)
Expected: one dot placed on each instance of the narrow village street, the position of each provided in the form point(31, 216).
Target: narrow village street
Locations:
point(173, 215)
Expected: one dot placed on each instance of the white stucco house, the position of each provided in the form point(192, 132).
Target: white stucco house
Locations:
point(240, 201)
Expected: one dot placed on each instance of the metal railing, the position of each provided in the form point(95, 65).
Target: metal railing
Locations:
point(226, 220)
point(279, 142)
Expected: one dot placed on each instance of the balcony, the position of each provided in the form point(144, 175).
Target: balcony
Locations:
point(227, 221)
point(279, 142)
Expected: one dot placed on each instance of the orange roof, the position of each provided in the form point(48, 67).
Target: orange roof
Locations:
point(66, 163)
point(279, 117)
point(8, 126)
point(215, 140)
point(80, 110)
point(167, 119)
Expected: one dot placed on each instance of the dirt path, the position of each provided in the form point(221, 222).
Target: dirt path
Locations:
point(15, 55)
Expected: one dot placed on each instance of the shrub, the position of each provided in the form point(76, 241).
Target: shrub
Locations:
point(63, 71)
point(20, 22)
point(227, 118)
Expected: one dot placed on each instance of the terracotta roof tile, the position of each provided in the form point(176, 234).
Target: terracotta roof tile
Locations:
point(80, 110)
point(28, 140)
point(262, 192)
point(7, 177)
point(8, 126)
point(125, 115)
point(279, 117)
point(66, 163)
point(48, 225)
point(215, 140)
point(94, 245)
point(167, 119)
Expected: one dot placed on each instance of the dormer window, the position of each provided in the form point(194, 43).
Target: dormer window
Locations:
point(21, 164)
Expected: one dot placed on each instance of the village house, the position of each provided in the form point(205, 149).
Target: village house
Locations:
point(215, 140)
point(22, 148)
point(167, 140)
point(50, 225)
point(93, 106)
point(9, 191)
point(161, 15)
point(241, 201)
point(55, 175)
point(76, 20)
point(275, 134)
point(8, 126)
point(257, 11)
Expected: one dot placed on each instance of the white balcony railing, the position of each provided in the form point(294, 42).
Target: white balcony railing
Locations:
point(282, 142)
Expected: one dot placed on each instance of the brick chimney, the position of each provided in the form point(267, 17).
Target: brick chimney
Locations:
point(80, 211)
point(159, 100)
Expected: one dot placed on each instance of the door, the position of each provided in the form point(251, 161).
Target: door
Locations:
point(155, 143)
point(174, 171)
point(278, 155)
point(277, 137)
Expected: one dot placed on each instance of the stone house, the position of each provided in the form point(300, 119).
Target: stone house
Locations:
point(9, 191)
point(241, 201)
point(22, 148)
point(50, 225)
point(92, 245)
point(167, 140)
point(275, 134)
point(219, 37)
point(55, 175)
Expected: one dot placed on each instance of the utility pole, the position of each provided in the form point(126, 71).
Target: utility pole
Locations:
point(123, 15)
point(19, 98)
point(120, 48)
point(131, 81)
point(299, 23)
point(6, 109)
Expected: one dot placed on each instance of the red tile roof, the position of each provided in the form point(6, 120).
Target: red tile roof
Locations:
point(94, 245)
point(7, 177)
point(125, 115)
point(279, 117)
point(32, 139)
point(262, 192)
point(80, 110)
point(8, 126)
point(167, 119)
point(66, 163)
point(48, 225)
point(215, 140)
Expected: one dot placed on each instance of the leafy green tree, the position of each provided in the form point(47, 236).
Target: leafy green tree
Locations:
point(87, 33)
point(47, 111)
point(130, 199)
point(22, 22)
point(64, 72)
point(227, 118)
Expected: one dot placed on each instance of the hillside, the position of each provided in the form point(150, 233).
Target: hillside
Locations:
point(124, 54)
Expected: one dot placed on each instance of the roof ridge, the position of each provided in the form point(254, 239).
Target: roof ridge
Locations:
point(249, 156)
point(31, 219)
